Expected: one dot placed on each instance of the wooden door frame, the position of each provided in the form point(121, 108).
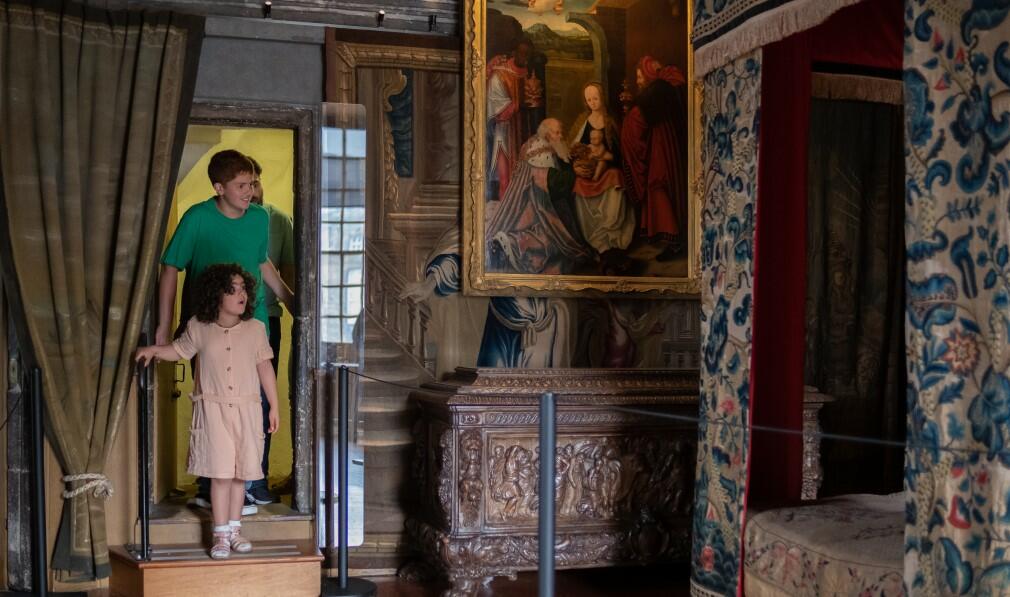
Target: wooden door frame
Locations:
point(304, 120)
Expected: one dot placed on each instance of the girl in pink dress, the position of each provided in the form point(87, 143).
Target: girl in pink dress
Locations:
point(226, 434)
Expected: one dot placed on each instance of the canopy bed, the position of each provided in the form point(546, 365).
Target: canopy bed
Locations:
point(754, 58)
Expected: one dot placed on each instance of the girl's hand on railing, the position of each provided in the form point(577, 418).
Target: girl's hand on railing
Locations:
point(146, 355)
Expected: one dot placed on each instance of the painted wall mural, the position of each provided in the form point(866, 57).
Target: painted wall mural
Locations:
point(535, 332)
point(730, 115)
point(957, 470)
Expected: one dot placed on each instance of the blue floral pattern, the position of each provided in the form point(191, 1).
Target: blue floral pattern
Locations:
point(957, 228)
point(729, 158)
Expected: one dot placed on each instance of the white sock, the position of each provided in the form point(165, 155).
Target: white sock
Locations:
point(223, 528)
point(235, 524)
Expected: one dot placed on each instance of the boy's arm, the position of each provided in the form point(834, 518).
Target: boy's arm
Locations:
point(273, 280)
point(167, 286)
point(268, 381)
point(287, 271)
point(286, 267)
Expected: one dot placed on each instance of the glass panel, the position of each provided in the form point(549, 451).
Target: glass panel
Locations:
point(354, 237)
point(330, 305)
point(331, 214)
point(329, 329)
point(329, 237)
point(342, 242)
point(355, 143)
point(349, 326)
point(354, 214)
point(352, 269)
point(354, 197)
point(333, 174)
point(330, 270)
point(352, 300)
point(332, 142)
point(354, 174)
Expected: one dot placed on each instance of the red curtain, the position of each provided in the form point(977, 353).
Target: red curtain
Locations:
point(868, 34)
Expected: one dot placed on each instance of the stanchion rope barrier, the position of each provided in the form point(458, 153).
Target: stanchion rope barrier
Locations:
point(819, 435)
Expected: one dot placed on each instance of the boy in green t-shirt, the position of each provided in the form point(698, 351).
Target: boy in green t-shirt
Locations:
point(227, 228)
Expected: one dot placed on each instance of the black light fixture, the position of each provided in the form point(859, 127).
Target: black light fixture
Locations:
point(267, 5)
point(378, 18)
point(432, 22)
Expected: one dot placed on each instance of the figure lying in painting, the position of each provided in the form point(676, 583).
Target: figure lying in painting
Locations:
point(534, 229)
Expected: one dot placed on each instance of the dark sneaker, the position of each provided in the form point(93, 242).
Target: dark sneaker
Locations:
point(285, 487)
point(259, 495)
point(199, 501)
point(203, 501)
point(249, 508)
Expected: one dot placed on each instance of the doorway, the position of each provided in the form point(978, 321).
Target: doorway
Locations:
point(283, 140)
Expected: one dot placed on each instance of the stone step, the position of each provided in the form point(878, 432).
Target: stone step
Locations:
point(174, 522)
point(384, 402)
point(387, 438)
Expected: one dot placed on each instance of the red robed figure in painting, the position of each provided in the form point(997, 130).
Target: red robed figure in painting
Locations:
point(653, 160)
point(506, 95)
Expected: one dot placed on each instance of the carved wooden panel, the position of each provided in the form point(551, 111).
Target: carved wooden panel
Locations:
point(624, 481)
point(598, 477)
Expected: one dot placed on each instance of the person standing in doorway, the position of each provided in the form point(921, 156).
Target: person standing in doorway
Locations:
point(227, 228)
point(281, 252)
point(225, 442)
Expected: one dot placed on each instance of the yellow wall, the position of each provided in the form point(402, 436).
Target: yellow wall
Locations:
point(274, 150)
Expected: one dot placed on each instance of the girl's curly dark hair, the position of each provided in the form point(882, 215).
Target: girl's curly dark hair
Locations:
point(215, 282)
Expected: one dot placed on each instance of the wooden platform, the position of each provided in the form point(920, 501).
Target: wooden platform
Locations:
point(289, 568)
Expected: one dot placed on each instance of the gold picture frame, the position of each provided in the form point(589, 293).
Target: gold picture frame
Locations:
point(480, 277)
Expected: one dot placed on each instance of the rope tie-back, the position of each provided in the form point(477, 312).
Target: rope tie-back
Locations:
point(99, 482)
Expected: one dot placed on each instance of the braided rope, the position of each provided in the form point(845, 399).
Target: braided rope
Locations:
point(99, 482)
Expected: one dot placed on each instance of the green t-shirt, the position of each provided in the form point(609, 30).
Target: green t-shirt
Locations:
point(205, 237)
point(281, 251)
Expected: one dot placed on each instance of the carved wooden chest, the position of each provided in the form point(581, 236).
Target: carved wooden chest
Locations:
point(625, 480)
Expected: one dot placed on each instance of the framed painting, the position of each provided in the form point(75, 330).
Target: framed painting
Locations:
point(581, 145)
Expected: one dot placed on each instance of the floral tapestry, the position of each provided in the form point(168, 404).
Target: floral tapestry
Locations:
point(957, 470)
point(729, 158)
point(724, 30)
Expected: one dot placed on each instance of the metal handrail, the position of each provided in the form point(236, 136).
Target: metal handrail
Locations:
point(145, 387)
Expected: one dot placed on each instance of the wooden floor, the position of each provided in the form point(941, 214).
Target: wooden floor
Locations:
point(671, 581)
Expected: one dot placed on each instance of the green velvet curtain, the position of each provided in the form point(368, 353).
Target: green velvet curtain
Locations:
point(93, 108)
point(855, 289)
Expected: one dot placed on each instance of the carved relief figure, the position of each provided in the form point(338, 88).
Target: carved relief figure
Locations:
point(514, 476)
point(566, 489)
point(470, 484)
point(600, 479)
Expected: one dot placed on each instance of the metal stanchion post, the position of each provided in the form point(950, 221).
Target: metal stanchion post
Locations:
point(40, 573)
point(40, 569)
point(342, 586)
point(329, 472)
point(545, 574)
point(144, 455)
